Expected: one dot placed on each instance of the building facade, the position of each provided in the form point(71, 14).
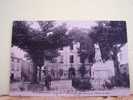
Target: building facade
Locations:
point(68, 57)
point(20, 69)
point(15, 73)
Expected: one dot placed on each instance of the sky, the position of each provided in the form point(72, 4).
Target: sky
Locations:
point(78, 24)
point(34, 25)
point(70, 24)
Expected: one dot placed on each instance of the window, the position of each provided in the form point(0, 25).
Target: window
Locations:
point(71, 59)
point(71, 47)
point(61, 59)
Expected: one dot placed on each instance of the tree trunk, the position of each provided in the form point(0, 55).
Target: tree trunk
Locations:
point(34, 76)
point(116, 66)
point(39, 73)
point(116, 63)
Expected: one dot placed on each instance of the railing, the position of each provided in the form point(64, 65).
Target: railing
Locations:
point(97, 84)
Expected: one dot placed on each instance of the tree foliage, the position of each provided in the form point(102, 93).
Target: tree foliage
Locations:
point(108, 34)
point(39, 43)
point(86, 50)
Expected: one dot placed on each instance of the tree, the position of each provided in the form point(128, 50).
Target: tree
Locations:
point(86, 50)
point(36, 42)
point(109, 34)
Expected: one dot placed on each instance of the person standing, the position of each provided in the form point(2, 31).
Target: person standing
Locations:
point(48, 80)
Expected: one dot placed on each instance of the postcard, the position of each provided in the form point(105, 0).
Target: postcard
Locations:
point(69, 58)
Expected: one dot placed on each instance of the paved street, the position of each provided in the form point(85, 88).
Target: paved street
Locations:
point(61, 87)
point(58, 85)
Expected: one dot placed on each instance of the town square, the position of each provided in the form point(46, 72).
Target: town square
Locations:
point(55, 57)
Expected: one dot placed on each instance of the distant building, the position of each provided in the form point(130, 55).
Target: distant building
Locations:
point(16, 64)
point(69, 56)
point(123, 59)
point(27, 70)
point(20, 69)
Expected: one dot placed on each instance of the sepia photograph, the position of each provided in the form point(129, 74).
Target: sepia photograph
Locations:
point(69, 58)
